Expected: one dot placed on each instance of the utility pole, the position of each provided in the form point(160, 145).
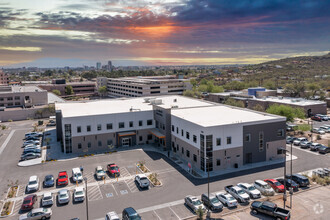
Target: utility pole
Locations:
point(85, 179)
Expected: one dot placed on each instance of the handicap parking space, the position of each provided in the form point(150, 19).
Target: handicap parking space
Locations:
point(121, 188)
point(150, 215)
point(108, 191)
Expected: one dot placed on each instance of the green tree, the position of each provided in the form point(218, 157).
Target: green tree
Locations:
point(193, 82)
point(68, 90)
point(103, 90)
point(233, 102)
point(259, 108)
point(235, 85)
point(287, 111)
point(200, 213)
point(56, 92)
point(295, 89)
point(202, 88)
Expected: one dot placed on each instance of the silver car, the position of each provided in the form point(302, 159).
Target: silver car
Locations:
point(99, 173)
point(39, 213)
point(264, 188)
point(63, 196)
point(226, 199)
point(194, 203)
point(251, 190)
point(47, 199)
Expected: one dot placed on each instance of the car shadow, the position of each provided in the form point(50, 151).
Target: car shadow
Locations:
point(262, 216)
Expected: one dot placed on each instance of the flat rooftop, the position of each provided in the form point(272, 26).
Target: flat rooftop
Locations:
point(16, 89)
point(123, 105)
point(291, 101)
point(222, 115)
point(147, 79)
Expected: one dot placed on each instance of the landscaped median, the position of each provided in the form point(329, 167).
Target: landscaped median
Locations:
point(153, 177)
point(7, 209)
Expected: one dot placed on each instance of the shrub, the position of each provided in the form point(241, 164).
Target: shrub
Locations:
point(10, 120)
point(318, 137)
point(3, 127)
point(200, 213)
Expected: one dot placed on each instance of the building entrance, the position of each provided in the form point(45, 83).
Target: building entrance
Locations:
point(126, 142)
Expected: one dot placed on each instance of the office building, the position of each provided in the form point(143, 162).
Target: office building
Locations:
point(3, 78)
point(110, 67)
point(98, 65)
point(192, 129)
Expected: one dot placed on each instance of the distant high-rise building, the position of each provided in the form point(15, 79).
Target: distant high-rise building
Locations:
point(3, 78)
point(98, 65)
point(110, 65)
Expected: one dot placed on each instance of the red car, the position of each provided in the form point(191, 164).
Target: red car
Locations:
point(28, 202)
point(316, 118)
point(113, 169)
point(277, 186)
point(62, 179)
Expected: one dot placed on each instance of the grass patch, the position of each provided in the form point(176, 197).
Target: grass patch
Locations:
point(304, 127)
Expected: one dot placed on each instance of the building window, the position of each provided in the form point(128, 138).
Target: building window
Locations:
point(218, 162)
point(228, 140)
point(17, 98)
point(88, 128)
point(79, 145)
point(248, 137)
point(109, 142)
point(99, 127)
point(177, 130)
point(100, 143)
point(218, 141)
point(238, 155)
point(261, 141)
point(195, 157)
point(187, 135)
point(131, 124)
point(149, 137)
point(140, 123)
point(79, 129)
point(9, 98)
point(17, 103)
point(121, 125)
point(182, 150)
point(280, 151)
point(109, 126)
point(140, 138)
point(280, 133)
point(182, 132)
point(177, 147)
point(89, 144)
point(188, 153)
point(194, 138)
point(173, 128)
point(149, 122)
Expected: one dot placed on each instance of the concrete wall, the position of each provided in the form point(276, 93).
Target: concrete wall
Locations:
point(18, 114)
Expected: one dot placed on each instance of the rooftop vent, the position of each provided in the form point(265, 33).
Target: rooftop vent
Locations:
point(175, 100)
point(174, 106)
point(156, 101)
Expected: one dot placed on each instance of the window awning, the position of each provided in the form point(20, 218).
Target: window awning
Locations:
point(157, 133)
point(127, 133)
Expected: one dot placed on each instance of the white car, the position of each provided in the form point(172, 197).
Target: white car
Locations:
point(47, 199)
point(79, 194)
point(33, 184)
point(77, 175)
point(226, 199)
point(264, 188)
point(297, 142)
point(99, 173)
point(325, 129)
point(63, 196)
point(39, 213)
point(33, 146)
point(142, 181)
point(194, 203)
point(112, 216)
point(35, 142)
point(318, 131)
point(251, 190)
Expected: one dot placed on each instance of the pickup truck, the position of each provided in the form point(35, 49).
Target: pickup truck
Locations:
point(270, 209)
point(237, 193)
point(113, 169)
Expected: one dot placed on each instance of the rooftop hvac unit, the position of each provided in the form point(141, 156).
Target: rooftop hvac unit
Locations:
point(175, 100)
point(147, 100)
point(158, 101)
point(174, 106)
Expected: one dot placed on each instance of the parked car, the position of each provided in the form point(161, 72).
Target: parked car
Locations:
point(290, 139)
point(39, 213)
point(28, 202)
point(193, 203)
point(325, 129)
point(113, 169)
point(79, 194)
point(29, 156)
point(49, 181)
point(34, 138)
point(36, 134)
point(212, 202)
point(226, 199)
point(301, 180)
point(35, 142)
point(318, 131)
point(63, 196)
point(130, 213)
point(291, 127)
point(99, 173)
point(324, 149)
point(270, 209)
point(32, 146)
point(237, 193)
point(305, 144)
point(47, 199)
point(112, 216)
point(251, 190)
point(315, 146)
point(316, 118)
point(299, 140)
point(277, 186)
point(264, 188)
point(288, 184)
point(323, 117)
point(62, 179)
point(33, 184)
point(77, 175)
point(32, 150)
point(142, 181)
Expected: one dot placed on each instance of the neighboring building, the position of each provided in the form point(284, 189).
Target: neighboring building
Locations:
point(22, 96)
point(79, 88)
point(145, 86)
point(98, 65)
point(3, 78)
point(109, 66)
point(101, 81)
point(192, 129)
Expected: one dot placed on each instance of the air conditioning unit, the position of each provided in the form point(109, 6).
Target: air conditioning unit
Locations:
point(158, 101)
point(174, 106)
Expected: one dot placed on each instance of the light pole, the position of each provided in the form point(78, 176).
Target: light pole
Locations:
point(85, 179)
point(284, 195)
point(291, 190)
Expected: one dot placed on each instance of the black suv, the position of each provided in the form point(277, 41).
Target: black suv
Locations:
point(301, 180)
point(130, 214)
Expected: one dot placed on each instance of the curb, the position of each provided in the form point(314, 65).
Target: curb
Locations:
point(161, 184)
point(11, 211)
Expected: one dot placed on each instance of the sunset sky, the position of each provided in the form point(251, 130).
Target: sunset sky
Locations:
point(57, 33)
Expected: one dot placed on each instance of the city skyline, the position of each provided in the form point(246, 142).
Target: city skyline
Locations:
point(161, 32)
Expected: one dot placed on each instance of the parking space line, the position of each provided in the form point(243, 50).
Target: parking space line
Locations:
point(94, 193)
point(157, 215)
point(131, 185)
point(21, 190)
point(17, 207)
point(174, 213)
point(124, 172)
point(90, 177)
point(114, 189)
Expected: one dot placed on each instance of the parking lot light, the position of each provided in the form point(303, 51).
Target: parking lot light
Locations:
point(85, 179)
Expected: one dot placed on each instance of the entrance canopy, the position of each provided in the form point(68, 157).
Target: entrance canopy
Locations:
point(127, 133)
point(157, 133)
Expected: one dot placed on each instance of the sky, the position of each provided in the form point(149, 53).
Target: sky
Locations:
point(57, 33)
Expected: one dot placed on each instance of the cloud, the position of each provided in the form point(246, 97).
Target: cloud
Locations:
point(29, 49)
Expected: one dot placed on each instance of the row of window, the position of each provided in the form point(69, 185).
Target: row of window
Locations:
point(109, 126)
point(10, 98)
point(99, 144)
point(125, 90)
point(127, 86)
point(10, 104)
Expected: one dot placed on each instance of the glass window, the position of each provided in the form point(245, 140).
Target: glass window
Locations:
point(195, 157)
point(187, 135)
point(131, 124)
point(218, 141)
point(188, 153)
point(121, 125)
point(173, 128)
point(218, 162)
point(79, 145)
point(109, 126)
point(78, 129)
point(140, 123)
point(149, 122)
point(100, 143)
point(109, 142)
point(261, 141)
point(182, 150)
point(177, 130)
point(280, 133)
point(149, 137)
point(140, 138)
point(194, 138)
point(182, 132)
point(228, 140)
point(88, 128)
point(89, 144)
point(17, 98)
point(248, 137)
point(99, 127)
point(9, 98)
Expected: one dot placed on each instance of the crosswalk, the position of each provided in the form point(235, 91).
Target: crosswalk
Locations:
point(94, 193)
point(21, 190)
point(17, 206)
point(131, 185)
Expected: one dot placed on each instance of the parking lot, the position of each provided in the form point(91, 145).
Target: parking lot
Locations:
point(164, 202)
